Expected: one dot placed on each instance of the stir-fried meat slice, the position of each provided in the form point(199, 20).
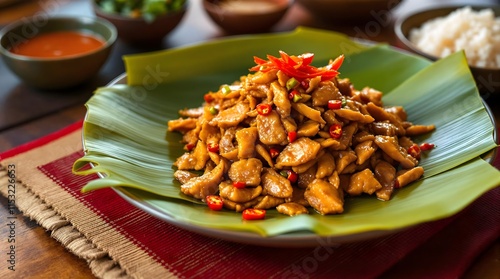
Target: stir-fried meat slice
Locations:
point(246, 170)
point(239, 207)
point(385, 173)
point(227, 148)
point(363, 182)
point(368, 95)
point(416, 130)
point(262, 78)
point(232, 116)
point(271, 130)
point(182, 124)
point(383, 128)
point(354, 115)
point(347, 132)
point(298, 196)
point(326, 165)
point(194, 160)
point(280, 99)
point(246, 139)
point(207, 184)
point(325, 91)
point(257, 90)
point(266, 202)
point(398, 111)
point(324, 197)
point(308, 129)
point(192, 112)
point(405, 177)
point(228, 191)
point(309, 112)
point(344, 158)
point(391, 147)
point(292, 209)
point(306, 177)
point(363, 136)
point(184, 176)
point(331, 118)
point(209, 133)
point(298, 152)
point(381, 115)
point(275, 185)
point(364, 151)
point(405, 142)
point(264, 154)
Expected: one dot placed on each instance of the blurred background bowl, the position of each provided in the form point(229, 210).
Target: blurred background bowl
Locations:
point(139, 31)
point(487, 79)
point(62, 72)
point(246, 16)
point(348, 11)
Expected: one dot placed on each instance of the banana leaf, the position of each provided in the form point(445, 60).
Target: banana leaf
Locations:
point(126, 139)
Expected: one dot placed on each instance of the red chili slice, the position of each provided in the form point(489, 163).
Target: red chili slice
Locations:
point(239, 184)
point(290, 175)
point(427, 146)
point(214, 202)
point(254, 214)
point(189, 146)
point(208, 98)
point(213, 147)
point(334, 104)
point(274, 152)
point(292, 136)
point(414, 151)
point(335, 131)
point(264, 109)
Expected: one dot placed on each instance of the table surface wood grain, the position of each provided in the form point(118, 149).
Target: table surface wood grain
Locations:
point(27, 114)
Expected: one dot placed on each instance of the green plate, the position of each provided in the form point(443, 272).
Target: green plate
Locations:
point(126, 141)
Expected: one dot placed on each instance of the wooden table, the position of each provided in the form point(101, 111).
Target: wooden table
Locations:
point(27, 114)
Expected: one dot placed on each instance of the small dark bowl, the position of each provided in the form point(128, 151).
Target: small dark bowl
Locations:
point(247, 21)
point(56, 73)
point(140, 32)
point(349, 11)
point(487, 79)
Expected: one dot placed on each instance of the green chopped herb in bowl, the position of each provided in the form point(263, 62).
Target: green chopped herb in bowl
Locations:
point(147, 9)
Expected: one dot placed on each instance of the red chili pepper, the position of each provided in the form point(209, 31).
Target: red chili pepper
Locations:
point(335, 131)
point(334, 104)
point(290, 175)
point(189, 146)
point(213, 147)
point(239, 184)
point(264, 109)
point(294, 96)
point(214, 202)
point(298, 66)
point(427, 146)
point(254, 214)
point(414, 151)
point(274, 152)
point(305, 84)
point(208, 98)
point(292, 136)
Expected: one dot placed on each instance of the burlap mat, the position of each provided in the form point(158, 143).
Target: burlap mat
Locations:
point(120, 241)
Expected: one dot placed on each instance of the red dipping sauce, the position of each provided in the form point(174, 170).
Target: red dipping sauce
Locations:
point(58, 45)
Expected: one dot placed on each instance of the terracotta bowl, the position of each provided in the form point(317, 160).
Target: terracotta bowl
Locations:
point(487, 79)
point(137, 30)
point(56, 73)
point(349, 11)
point(238, 17)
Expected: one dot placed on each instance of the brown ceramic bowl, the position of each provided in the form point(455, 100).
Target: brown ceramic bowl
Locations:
point(62, 72)
point(487, 79)
point(349, 11)
point(137, 30)
point(246, 16)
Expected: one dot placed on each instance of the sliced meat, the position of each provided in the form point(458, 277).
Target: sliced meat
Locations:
point(385, 173)
point(246, 170)
point(280, 99)
point(391, 147)
point(206, 184)
point(363, 182)
point(292, 209)
point(228, 191)
point(271, 130)
point(246, 139)
point(324, 197)
point(232, 116)
point(275, 185)
point(298, 152)
point(325, 92)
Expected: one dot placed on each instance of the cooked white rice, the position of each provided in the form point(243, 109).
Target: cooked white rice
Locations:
point(475, 32)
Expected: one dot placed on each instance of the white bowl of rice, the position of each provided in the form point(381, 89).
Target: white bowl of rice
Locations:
point(438, 32)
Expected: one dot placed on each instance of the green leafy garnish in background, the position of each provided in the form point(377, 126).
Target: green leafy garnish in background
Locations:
point(125, 134)
point(148, 9)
